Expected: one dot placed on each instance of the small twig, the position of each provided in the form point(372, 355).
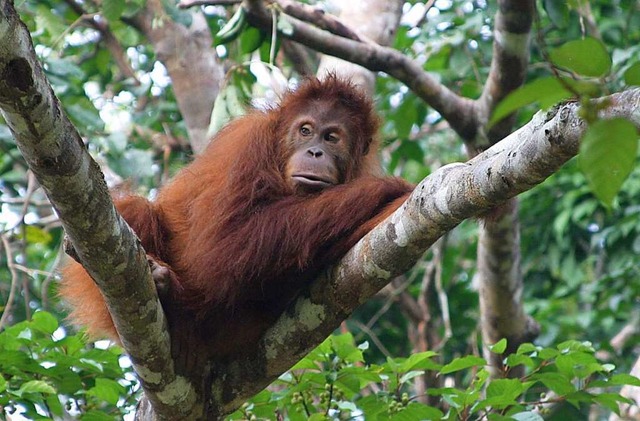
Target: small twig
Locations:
point(374, 338)
point(14, 281)
point(32, 184)
point(274, 36)
point(391, 299)
point(318, 18)
point(185, 4)
point(438, 251)
point(44, 289)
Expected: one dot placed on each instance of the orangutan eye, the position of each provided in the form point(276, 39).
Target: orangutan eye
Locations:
point(331, 137)
point(305, 130)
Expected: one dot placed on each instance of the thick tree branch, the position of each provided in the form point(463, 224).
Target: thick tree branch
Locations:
point(440, 202)
point(511, 36)
point(499, 276)
point(76, 188)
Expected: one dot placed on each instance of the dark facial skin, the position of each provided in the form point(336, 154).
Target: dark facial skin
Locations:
point(320, 153)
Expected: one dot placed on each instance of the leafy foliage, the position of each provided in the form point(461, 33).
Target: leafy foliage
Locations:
point(46, 374)
point(335, 383)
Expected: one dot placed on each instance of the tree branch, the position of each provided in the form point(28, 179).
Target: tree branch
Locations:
point(75, 186)
point(508, 70)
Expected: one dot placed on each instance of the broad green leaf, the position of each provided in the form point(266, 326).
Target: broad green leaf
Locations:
point(37, 235)
point(35, 386)
point(514, 360)
point(228, 105)
point(499, 347)
point(94, 415)
point(107, 390)
point(580, 364)
point(406, 116)
point(112, 9)
point(558, 12)
point(527, 416)
point(417, 411)
point(587, 57)
point(65, 68)
point(44, 322)
point(526, 348)
point(419, 361)
point(607, 156)
point(54, 406)
point(511, 388)
point(47, 20)
point(624, 379)
point(556, 382)
point(610, 400)
point(462, 363)
point(410, 375)
point(545, 91)
point(548, 353)
point(251, 39)
point(632, 75)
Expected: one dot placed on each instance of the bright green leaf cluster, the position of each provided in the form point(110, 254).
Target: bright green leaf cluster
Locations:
point(59, 378)
point(334, 383)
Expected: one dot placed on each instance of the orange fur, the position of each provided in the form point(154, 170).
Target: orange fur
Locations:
point(239, 239)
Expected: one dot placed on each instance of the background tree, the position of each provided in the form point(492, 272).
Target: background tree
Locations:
point(139, 80)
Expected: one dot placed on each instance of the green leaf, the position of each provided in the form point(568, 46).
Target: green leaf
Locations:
point(556, 382)
point(112, 9)
point(580, 364)
point(607, 156)
point(35, 386)
point(419, 361)
point(227, 106)
point(44, 322)
point(251, 39)
point(527, 416)
point(37, 235)
point(558, 12)
point(548, 353)
point(499, 347)
point(545, 91)
point(46, 20)
point(587, 57)
point(410, 375)
point(632, 75)
point(610, 401)
point(417, 411)
point(511, 388)
point(514, 360)
point(463, 363)
point(526, 348)
point(407, 115)
point(94, 415)
point(54, 406)
point(233, 28)
point(624, 379)
point(107, 390)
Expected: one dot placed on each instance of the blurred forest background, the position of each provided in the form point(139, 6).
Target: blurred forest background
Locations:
point(416, 350)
